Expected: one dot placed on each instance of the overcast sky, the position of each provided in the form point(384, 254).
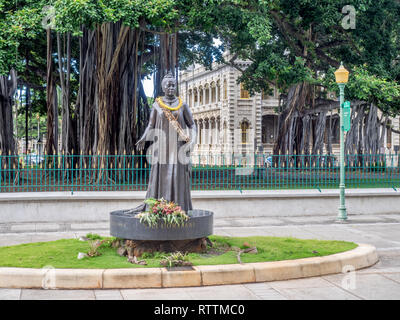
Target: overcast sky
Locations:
point(148, 86)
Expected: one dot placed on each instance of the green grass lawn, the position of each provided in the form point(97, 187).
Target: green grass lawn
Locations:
point(63, 253)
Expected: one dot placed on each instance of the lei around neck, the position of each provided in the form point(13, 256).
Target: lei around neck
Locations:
point(162, 104)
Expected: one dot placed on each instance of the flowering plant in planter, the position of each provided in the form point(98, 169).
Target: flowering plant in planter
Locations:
point(162, 210)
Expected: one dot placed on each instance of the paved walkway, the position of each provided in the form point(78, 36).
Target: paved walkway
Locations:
point(381, 281)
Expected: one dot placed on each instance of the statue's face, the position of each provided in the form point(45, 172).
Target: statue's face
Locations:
point(169, 87)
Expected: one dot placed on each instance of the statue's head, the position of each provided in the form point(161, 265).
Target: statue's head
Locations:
point(168, 84)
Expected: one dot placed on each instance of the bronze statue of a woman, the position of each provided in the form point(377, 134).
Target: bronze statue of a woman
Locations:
point(173, 132)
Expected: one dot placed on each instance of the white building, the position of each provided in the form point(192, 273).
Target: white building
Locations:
point(227, 118)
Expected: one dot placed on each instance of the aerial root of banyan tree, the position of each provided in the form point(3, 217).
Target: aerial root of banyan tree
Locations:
point(294, 125)
point(306, 125)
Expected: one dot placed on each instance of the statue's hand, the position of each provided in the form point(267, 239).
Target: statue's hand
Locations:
point(140, 143)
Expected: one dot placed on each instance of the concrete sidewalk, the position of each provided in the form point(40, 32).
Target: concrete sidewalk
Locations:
point(381, 281)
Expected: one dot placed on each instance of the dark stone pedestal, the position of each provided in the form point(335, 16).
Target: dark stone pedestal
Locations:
point(140, 238)
point(126, 226)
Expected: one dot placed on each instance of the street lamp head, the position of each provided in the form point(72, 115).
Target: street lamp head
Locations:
point(341, 74)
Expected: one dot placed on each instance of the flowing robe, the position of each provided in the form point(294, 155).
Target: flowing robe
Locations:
point(170, 173)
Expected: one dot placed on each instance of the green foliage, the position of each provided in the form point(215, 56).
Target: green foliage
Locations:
point(383, 92)
point(152, 255)
point(20, 26)
point(368, 87)
point(96, 242)
point(259, 28)
point(93, 248)
point(71, 14)
point(32, 126)
point(94, 236)
point(151, 202)
point(163, 211)
point(175, 259)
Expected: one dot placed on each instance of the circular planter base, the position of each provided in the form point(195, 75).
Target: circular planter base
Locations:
point(127, 226)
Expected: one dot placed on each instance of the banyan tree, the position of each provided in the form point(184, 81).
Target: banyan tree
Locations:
point(111, 57)
point(8, 86)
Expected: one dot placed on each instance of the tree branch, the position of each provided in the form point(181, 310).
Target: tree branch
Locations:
point(286, 30)
point(121, 41)
point(322, 55)
point(388, 126)
point(333, 44)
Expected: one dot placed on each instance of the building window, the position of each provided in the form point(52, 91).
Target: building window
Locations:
point(389, 135)
point(244, 94)
point(195, 97)
point(207, 131)
point(225, 132)
point(201, 95)
point(212, 133)
point(207, 101)
point(244, 127)
point(201, 131)
point(213, 92)
point(225, 89)
point(269, 128)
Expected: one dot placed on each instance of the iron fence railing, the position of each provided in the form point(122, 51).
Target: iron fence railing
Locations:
point(30, 173)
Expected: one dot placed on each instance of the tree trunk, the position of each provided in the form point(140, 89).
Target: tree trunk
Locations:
point(8, 88)
point(298, 99)
point(166, 61)
point(27, 107)
point(87, 101)
point(51, 102)
point(7, 142)
point(112, 109)
point(68, 135)
point(300, 122)
point(318, 147)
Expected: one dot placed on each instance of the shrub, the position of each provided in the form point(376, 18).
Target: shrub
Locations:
point(162, 210)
